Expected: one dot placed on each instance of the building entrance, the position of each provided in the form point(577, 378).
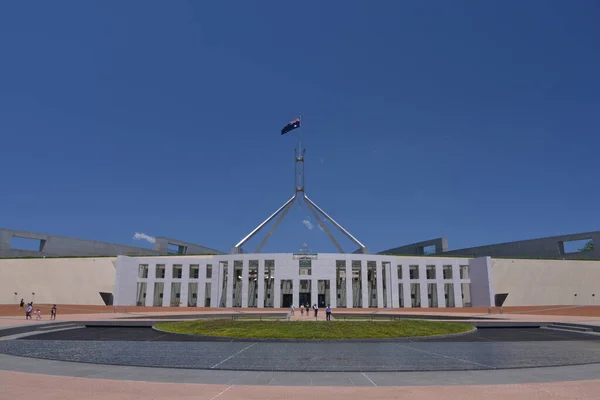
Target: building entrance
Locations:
point(322, 300)
point(305, 298)
point(286, 300)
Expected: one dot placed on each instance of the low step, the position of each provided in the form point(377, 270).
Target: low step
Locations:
point(569, 327)
point(56, 326)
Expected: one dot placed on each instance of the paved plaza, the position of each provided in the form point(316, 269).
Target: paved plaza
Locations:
point(486, 363)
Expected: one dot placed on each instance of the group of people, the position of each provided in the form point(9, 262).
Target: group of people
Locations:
point(315, 307)
point(38, 313)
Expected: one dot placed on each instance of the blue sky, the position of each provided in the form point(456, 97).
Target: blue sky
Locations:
point(475, 121)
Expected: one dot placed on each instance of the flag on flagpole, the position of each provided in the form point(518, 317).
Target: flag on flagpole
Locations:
point(291, 126)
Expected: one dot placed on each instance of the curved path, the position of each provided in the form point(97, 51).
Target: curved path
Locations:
point(485, 349)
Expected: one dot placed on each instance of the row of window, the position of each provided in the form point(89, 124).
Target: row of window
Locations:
point(430, 271)
point(177, 271)
point(194, 271)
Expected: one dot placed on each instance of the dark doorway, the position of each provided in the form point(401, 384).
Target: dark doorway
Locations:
point(322, 300)
point(305, 298)
point(286, 300)
point(107, 298)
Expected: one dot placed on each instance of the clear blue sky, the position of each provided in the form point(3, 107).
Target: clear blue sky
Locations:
point(477, 121)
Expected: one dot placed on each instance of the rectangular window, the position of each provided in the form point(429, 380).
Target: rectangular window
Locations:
point(447, 271)
point(208, 271)
point(194, 271)
point(449, 294)
point(577, 246)
point(159, 288)
point(175, 294)
point(160, 271)
point(143, 271)
point(304, 267)
point(432, 295)
point(177, 271)
point(141, 294)
point(415, 295)
point(192, 294)
point(430, 272)
point(466, 294)
point(30, 244)
point(401, 294)
point(399, 271)
point(207, 287)
point(413, 272)
point(464, 272)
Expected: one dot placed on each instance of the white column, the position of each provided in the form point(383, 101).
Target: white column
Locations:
point(230, 278)
point(215, 284)
point(393, 286)
point(406, 292)
point(364, 284)
point(167, 288)
point(150, 285)
point(379, 269)
point(348, 283)
point(201, 285)
point(439, 280)
point(482, 284)
point(314, 291)
point(260, 279)
point(458, 302)
point(185, 280)
point(277, 289)
point(296, 292)
point(245, 283)
point(388, 283)
point(333, 292)
point(406, 286)
point(423, 285)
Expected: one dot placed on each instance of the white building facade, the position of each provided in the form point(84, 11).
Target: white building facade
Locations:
point(280, 280)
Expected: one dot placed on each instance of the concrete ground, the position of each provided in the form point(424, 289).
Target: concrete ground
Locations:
point(23, 385)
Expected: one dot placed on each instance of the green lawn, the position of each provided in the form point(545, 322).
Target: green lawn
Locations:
point(315, 330)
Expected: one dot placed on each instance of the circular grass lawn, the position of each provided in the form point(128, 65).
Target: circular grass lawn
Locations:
point(315, 330)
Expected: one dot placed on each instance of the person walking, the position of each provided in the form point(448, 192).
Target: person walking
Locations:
point(53, 312)
point(292, 309)
point(38, 315)
point(301, 309)
point(328, 313)
point(307, 308)
point(28, 311)
point(316, 308)
point(22, 303)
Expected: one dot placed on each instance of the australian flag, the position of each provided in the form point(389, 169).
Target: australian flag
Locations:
point(291, 126)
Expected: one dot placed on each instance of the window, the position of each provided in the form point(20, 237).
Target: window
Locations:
point(31, 244)
point(208, 271)
point(464, 272)
point(194, 271)
point(177, 271)
point(430, 271)
point(304, 267)
point(160, 271)
point(143, 271)
point(447, 271)
point(428, 250)
point(399, 271)
point(413, 272)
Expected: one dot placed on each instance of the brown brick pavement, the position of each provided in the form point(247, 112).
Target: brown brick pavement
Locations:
point(22, 386)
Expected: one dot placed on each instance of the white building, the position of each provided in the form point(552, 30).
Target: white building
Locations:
point(279, 280)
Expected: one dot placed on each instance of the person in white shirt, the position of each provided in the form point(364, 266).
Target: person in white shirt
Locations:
point(28, 311)
point(316, 308)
